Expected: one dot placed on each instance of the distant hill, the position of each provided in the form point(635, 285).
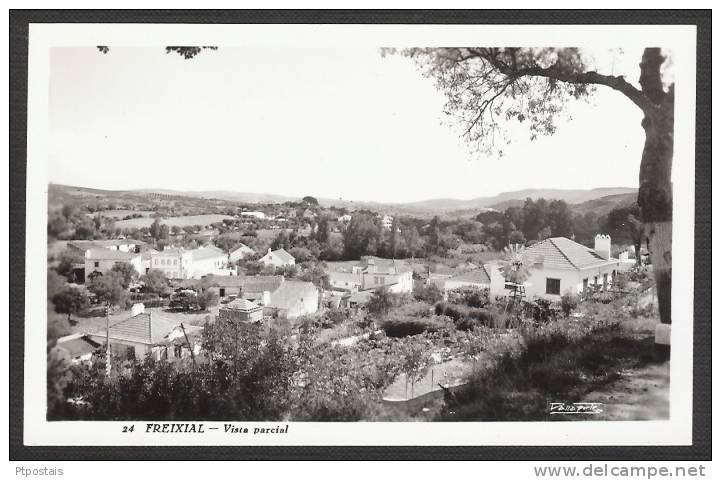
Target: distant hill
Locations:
point(603, 205)
point(516, 198)
point(601, 199)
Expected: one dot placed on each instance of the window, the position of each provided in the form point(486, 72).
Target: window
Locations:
point(553, 286)
point(178, 351)
point(175, 261)
point(585, 284)
point(595, 280)
point(605, 280)
point(97, 264)
point(130, 353)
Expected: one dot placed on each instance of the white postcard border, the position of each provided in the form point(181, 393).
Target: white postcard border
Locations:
point(676, 431)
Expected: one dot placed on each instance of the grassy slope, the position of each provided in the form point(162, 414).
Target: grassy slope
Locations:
point(554, 368)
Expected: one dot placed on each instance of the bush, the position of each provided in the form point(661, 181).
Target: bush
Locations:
point(472, 297)
point(428, 293)
point(569, 302)
point(466, 318)
point(332, 318)
point(399, 325)
point(542, 310)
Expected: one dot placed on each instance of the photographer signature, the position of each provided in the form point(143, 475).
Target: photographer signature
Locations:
point(574, 408)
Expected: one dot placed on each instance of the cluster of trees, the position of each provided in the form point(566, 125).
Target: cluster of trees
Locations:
point(244, 372)
point(540, 219)
point(109, 289)
point(70, 222)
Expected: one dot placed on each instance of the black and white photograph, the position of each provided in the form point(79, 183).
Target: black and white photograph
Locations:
point(245, 234)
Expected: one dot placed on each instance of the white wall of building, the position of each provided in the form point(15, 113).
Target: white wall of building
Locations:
point(103, 266)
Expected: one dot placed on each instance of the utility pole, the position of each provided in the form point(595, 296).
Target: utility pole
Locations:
point(192, 354)
point(107, 339)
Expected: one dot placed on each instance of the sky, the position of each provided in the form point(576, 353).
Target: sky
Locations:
point(332, 123)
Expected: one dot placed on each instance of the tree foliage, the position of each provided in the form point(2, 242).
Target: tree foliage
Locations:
point(71, 301)
point(155, 282)
point(109, 289)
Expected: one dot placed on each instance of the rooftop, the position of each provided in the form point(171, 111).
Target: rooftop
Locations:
point(477, 275)
point(261, 283)
point(205, 253)
point(563, 253)
point(283, 255)
point(77, 345)
point(146, 328)
point(290, 293)
point(106, 254)
point(240, 246)
point(384, 265)
point(86, 244)
point(243, 305)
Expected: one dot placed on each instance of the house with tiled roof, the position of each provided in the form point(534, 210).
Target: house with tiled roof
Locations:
point(179, 263)
point(78, 347)
point(371, 273)
point(560, 265)
point(136, 335)
point(277, 258)
point(102, 260)
point(239, 252)
point(241, 310)
point(292, 299)
point(177, 344)
point(119, 244)
point(209, 260)
point(478, 277)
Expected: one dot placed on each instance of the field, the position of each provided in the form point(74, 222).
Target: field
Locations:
point(123, 213)
point(187, 221)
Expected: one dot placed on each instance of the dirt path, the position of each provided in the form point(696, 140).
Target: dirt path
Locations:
point(640, 394)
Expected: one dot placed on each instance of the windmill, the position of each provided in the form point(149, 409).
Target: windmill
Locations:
point(516, 268)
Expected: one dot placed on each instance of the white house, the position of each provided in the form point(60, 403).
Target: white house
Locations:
point(292, 299)
point(173, 262)
point(182, 263)
point(101, 260)
point(561, 265)
point(387, 222)
point(208, 260)
point(344, 219)
point(277, 258)
point(127, 245)
point(372, 273)
point(257, 215)
point(239, 252)
point(475, 278)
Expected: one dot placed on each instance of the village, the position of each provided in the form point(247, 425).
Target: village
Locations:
point(401, 309)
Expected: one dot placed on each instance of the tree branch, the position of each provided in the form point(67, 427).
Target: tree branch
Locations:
point(555, 71)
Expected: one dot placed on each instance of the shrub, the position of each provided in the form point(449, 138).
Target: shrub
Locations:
point(569, 302)
point(542, 310)
point(472, 297)
point(466, 318)
point(428, 293)
point(332, 318)
point(399, 326)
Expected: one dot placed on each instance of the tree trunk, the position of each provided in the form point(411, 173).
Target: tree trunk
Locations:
point(655, 193)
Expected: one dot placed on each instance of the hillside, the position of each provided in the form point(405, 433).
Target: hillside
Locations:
point(603, 205)
point(597, 199)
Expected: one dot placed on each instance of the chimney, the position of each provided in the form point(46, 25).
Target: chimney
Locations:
point(602, 246)
point(266, 298)
point(137, 309)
